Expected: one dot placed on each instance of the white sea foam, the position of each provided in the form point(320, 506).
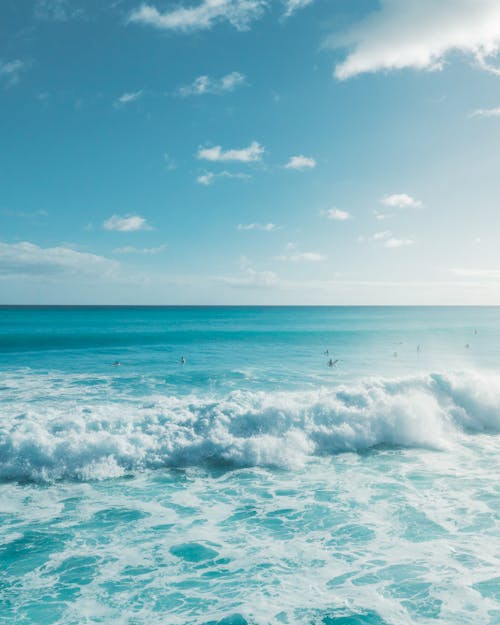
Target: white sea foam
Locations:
point(101, 438)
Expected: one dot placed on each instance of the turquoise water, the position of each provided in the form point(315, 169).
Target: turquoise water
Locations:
point(253, 484)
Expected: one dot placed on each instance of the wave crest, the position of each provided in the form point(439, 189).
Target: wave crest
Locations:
point(107, 439)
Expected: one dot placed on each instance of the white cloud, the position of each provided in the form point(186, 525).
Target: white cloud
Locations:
point(400, 200)
point(337, 215)
point(11, 70)
point(206, 179)
point(215, 86)
point(239, 13)
point(495, 112)
point(306, 257)
point(149, 251)
point(300, 162)
point(128, 97)
point(229, 82)
point(264, 227)
point(210, 177)
point(28, 259)
point(291, 6)
point(249, 154)
point(420, 34)
point(129, 223)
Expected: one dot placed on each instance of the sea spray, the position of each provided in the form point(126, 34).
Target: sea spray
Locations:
point(55, 440)
point(255, 484)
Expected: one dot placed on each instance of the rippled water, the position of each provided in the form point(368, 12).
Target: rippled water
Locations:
point(254, 484)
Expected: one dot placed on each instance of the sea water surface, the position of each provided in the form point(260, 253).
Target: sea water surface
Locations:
point(253, 484)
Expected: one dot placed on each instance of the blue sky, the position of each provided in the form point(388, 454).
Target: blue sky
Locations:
point(250, 151)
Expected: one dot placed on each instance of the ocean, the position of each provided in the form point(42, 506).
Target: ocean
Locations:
point(255, 483)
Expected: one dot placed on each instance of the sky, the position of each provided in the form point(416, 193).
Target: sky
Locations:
point(250, 152)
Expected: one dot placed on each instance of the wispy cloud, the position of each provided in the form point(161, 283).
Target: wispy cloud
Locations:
point(264, 227)
point(28, 259)
point(380, 236)
point(250, 154)
point(129, 223)
point(10, 71)
point(148, 251)
point(23, 214)
point(336, 214)
point(382, 216)
point(302, 257)
point(169, 161)
point(495, 112)
point(56, 10)
point(400, 200)
point(389, 240)
point(128, 97)
point(420, 34)
point(300, 162)
point(491, 274)
point(239, 13)
point(251, 279)
point(216, 86)
point(393, 242)
point(209, 177)
point(291, 6)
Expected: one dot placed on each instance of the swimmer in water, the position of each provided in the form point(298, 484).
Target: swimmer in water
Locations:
point(117, 363)
point(183, 361)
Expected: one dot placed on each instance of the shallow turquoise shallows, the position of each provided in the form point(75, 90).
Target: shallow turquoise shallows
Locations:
point(333, 466)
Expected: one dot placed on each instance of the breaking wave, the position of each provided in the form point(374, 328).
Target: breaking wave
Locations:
point(101, 439)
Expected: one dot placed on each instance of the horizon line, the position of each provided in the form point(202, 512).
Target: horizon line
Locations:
point(11, 306)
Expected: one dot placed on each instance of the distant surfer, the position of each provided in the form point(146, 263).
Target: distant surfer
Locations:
point(332, 363)
point(117, 363)
point(467, 346)
point(183, 361)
